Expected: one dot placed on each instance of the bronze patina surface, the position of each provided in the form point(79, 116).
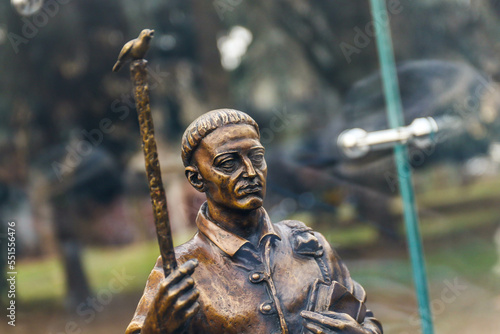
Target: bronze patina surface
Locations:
point(241, 273)
point(138, 72)
point(134, 49)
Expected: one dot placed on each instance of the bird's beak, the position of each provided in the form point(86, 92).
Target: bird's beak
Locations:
point(151, 33)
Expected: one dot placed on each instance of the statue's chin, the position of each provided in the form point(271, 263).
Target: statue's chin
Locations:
point(250, 202)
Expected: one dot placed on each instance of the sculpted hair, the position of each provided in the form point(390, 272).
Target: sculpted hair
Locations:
point(207, 123)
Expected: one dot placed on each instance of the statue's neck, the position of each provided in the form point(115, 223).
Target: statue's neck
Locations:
point(245, 224)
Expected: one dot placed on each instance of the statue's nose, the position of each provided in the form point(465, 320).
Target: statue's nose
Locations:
point(250, 170)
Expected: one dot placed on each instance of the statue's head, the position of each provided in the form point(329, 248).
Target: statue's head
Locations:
point(223, 158)
point(147, 34)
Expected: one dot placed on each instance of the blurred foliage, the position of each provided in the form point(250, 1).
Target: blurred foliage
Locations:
point(42, 281)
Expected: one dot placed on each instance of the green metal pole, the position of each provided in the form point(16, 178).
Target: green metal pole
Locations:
point(396, 119)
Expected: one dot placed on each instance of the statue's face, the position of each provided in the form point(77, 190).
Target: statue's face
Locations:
point(231, 163)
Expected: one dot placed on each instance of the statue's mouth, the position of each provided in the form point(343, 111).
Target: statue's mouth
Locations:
point(250, 189)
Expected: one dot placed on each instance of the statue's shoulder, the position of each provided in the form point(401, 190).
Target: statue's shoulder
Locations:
point(294, 225)
point(183, 253)
point(196, 247)
point(303, 239)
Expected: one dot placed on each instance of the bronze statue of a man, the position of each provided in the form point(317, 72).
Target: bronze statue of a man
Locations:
point(240, 273)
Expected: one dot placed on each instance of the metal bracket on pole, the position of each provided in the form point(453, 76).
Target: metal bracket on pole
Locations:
point(357, 142)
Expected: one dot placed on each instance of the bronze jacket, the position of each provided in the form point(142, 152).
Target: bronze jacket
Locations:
point(248, 290)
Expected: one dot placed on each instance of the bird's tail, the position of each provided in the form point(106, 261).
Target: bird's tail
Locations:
point(117, 66)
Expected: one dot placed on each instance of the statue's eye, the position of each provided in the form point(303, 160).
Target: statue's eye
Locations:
point(257, 159)
point(228, 165)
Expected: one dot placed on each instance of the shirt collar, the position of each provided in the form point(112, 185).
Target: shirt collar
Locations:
point(228, 242)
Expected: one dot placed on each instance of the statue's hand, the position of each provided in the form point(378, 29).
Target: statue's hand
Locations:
point(332, 322)
point(175, 303)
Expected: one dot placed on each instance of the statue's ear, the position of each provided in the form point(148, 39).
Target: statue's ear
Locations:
point(194, 177)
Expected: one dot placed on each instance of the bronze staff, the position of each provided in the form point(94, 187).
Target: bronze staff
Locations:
point(139, 76)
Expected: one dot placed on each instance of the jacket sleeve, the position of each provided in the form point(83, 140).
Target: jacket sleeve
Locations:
point(337, 268)
point(340, 273)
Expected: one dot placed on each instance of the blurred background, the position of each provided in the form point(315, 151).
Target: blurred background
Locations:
point(72, 171)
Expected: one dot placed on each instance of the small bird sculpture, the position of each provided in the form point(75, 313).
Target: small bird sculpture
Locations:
point(134, 49)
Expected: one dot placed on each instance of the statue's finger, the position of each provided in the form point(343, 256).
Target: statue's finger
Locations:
point(191, 311)
point(187, 300)
point(344, 317)
point(185, 269)
point(322, 320)
point(314, 328)
point(176, 292)
point(185, 284)
point(188, 267)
